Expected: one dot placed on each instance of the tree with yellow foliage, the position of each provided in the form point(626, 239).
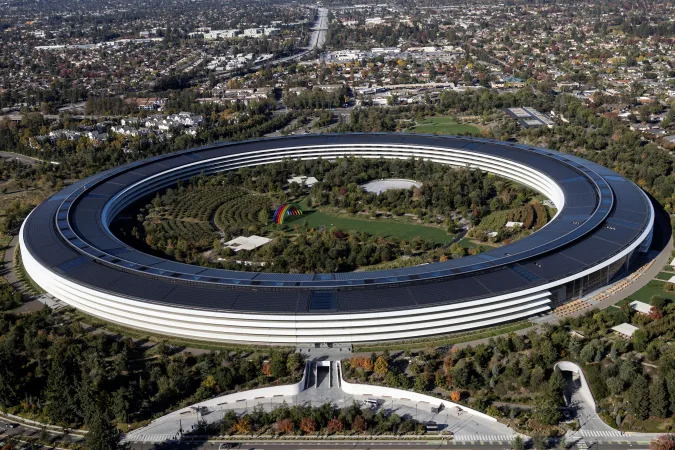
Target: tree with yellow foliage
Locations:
point(381, 366)
point(242, 426)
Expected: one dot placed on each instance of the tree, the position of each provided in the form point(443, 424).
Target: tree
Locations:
point(455, 396)
point(308, 425)
point(640, 340)
point(546, 408)
point(278, 367)
point(103, 435)
point(10, 375)
point(421, 382)
point(242, 426)
point(663, 442)
point(539, 442)
point(359, 424)
point(557, 383)
point(61, 395)
point(334, 425)
point(285, 426)
point(294, 362)
point(658, 396)
point(381, 366)
point(263, 216)
point(638, 398)
point(518, 443)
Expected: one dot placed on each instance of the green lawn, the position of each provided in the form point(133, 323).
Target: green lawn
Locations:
point(405, 231)
point(665, 275)
point(654, 287)
point(442, 125)
point(468, 243)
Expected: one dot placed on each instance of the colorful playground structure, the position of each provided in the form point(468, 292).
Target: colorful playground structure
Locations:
point(284, 211)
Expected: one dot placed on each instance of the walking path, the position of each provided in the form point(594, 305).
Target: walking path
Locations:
point(579, 397)
point(31, 302)
point(322, 383)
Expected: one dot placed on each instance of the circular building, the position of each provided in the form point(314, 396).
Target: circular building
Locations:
point(602, 221)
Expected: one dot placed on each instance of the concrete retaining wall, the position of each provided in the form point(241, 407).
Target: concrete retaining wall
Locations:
point(584, 390)
point(400, 394)
point(284, 390)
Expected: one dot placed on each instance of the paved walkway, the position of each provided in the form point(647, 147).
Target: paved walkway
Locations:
point(325, 388)
point(31, 303)
point(591, 426)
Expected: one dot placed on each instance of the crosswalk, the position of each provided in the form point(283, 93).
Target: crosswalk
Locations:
point(150, 438)
point(594, 433)
point(482, 437)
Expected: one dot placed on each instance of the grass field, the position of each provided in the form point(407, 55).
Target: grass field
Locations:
point(405, 231)
point(442, 125)
point(468, 243)
point(654, 287)
point(665, 275)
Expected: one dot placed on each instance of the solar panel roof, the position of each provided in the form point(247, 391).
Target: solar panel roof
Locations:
point(603, 213)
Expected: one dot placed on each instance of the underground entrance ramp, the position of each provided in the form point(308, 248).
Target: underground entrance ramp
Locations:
point(322, 378)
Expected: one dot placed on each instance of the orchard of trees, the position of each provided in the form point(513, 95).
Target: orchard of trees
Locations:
point(184, 221)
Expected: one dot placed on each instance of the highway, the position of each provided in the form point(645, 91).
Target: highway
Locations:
point(318, 37)
point(316, 41)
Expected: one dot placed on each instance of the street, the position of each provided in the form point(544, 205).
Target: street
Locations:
point(266, 445)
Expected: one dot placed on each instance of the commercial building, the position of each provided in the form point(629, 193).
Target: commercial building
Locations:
point(602, 221)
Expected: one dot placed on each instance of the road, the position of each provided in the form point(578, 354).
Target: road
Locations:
point(316, 41)
point(12, 429)
point(318, 37)
point(22, 158)
point(394, 445)
point(17, 117)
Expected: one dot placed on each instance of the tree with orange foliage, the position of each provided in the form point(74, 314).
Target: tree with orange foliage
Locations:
point(362, 362)
point(334, 425)
point(266, 369)
point(448, 363)
point(663, 442)
point(285, 426)
point(308, 425)
point(359, 424)
point(242, 426)
point(455, 396)
point(655, 313)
